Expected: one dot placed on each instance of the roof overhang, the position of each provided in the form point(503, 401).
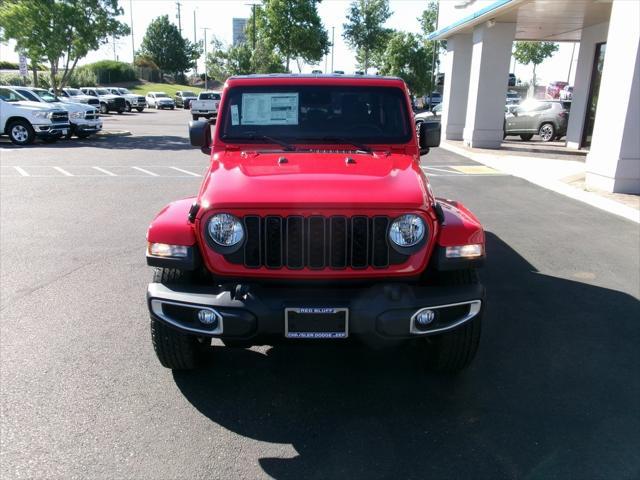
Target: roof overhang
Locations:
point(537, 20)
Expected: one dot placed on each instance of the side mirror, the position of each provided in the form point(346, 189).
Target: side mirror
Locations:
point(200, 135)
point(429, 136)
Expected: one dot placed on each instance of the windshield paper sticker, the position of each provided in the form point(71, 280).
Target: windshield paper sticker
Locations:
point(234, 115)
point(270, 108)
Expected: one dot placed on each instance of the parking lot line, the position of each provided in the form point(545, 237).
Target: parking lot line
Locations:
point(22, 171)
point(186, 171)
point(441, 170)
point(146, 171)
point(63, 171)
point(105, 171)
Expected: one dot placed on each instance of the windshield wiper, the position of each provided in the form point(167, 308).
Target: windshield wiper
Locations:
point(359, 146)
point(253, 136)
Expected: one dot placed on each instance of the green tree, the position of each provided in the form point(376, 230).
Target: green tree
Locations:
point(293, 29)
point(364, 31)
point(171, 52)
point(60, 32)
point(407, 57)
point(241, 59)
point(535, 53)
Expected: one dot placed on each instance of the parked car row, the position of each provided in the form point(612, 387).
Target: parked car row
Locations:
point(29, 113)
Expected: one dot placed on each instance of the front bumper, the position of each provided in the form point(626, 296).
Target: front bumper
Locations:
point(55, 130)
point(87, 126)
point(383, 311)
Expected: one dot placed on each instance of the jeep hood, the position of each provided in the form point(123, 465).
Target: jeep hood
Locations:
point(310, 179)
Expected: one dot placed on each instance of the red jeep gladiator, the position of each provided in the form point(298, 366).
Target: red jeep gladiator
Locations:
point(315, 222)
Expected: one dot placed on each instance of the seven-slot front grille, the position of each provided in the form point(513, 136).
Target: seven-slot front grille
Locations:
point(316, 242)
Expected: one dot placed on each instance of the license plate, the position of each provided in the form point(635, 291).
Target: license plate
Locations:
point(64, 132)
point(316, 322)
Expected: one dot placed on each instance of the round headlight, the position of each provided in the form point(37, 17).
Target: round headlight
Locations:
point(225, 230)
point(407, 230)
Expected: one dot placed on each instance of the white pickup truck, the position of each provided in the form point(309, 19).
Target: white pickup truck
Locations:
point(83, 119)
point(23, 120)
point(206, 105)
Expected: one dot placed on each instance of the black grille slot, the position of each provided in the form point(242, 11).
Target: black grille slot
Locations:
point(316, 242)
point(338, 246)
point(273, 242)
point(295, 242)
point(252, 257)
point(380, 257)
point(359, 242)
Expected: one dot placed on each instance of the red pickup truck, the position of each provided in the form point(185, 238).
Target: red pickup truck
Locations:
point(315, 222)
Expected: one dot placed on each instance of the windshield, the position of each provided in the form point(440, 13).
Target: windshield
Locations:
point(46, 96)
point(102, 91)
point(28, 95)
point(188, 94)
point(124, 91)
point(73, 91)
point(317, 114)
point(161, 95)
point(209, 96)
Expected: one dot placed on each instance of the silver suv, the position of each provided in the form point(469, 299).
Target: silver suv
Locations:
point(546, 118)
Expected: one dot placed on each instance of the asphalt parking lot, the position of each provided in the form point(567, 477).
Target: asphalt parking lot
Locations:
point(553, 393)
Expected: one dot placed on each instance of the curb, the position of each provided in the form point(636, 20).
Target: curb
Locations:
point(502, 164)
point(113, 133)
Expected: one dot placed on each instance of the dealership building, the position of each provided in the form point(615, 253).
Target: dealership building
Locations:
point(605, 111)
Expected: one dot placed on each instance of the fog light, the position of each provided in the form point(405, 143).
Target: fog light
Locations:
point(207, 317)
point(424, 318)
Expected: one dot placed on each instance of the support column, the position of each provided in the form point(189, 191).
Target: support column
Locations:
point(590, 37)
point(613, 164)
point(488, 78)
point(456, 86)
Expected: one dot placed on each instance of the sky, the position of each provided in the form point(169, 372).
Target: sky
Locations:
point(217, 15)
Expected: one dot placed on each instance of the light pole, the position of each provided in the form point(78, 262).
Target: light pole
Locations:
point(253, 35)
point(206, 79)
point(133, 45)
point(333, 31)
point(195, 70)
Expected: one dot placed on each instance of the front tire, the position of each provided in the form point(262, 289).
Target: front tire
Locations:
point(127, 107)
point(547, 132)
point(21, 132)
point(104, 109)
point(453, 351)
point(174, 349)
point(139, 109)
point(525, 137)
